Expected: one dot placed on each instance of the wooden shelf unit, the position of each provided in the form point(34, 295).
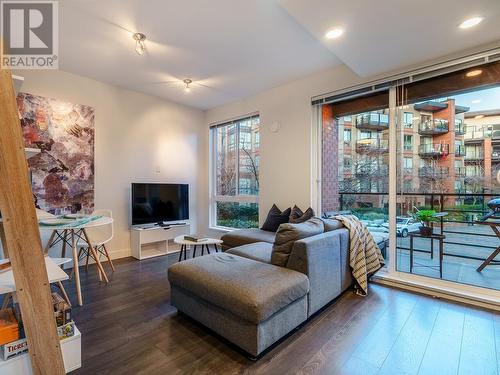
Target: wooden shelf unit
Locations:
point(70, 346)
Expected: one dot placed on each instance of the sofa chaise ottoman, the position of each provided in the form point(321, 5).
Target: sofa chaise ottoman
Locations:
point(252, 303)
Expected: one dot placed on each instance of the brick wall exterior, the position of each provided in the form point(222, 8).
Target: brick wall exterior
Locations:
point(329, 168)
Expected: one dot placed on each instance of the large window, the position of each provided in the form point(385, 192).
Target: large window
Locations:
point(235, 173)
point(448, 162)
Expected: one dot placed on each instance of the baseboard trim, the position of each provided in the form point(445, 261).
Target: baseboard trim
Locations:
point(120, 253)
point(452, 295)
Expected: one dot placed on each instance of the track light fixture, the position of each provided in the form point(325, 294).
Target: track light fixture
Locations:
point(140, 46)
point(187, 82)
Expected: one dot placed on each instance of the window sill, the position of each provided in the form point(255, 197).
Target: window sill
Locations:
point(222, 229)
point(468, 294)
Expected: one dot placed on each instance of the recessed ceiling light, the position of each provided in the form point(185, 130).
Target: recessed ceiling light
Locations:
point(473, 73)
point(475, 101)
point(334, 33)
point(479, 117)
point(471, 22)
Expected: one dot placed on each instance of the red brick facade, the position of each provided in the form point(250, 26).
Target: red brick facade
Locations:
point(330, 184)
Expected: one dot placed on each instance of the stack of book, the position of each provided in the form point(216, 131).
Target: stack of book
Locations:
point(12, 340)
point(62, 313)
point(12, 337)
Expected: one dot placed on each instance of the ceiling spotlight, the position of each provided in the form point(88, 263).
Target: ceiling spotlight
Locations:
point(471, 22)
point(473, 73)
point(478, 117)
point(140, 40)
point(334, 33)
point(476, 101)
point(187, 82)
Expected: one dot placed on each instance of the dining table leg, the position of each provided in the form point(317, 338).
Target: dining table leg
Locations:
point(75, 269)
point(65, 236)
point(49, 244)
point(95, 256)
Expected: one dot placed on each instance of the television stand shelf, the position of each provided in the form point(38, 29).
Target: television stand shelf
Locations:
point(154, 241)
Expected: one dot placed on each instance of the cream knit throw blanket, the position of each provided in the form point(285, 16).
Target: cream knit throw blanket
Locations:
point(365, 257)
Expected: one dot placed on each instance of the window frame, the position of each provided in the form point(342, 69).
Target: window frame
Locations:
point(214, 198)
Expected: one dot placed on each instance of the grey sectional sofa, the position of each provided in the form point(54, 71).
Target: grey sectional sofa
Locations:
point(244, 298)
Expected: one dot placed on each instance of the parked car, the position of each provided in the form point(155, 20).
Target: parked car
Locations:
point(405, 225)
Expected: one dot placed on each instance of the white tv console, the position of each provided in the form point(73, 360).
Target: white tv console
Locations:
point(148, 241)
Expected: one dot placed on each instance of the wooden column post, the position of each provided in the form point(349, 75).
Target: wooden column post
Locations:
point(23, 239)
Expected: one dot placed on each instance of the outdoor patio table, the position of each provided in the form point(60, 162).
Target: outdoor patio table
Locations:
point(494, 226)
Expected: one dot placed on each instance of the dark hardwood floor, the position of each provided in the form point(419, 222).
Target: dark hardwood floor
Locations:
point(129, 327)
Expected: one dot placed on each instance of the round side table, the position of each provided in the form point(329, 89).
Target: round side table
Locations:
point(204, 243)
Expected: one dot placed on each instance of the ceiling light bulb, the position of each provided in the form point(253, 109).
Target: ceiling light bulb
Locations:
point(140, 46)
point(334, 33)
point(471, 22)
point(479, 117)
point(473, 73)
point(476, 101)
point(187, 82)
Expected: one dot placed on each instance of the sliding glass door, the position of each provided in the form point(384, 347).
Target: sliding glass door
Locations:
point(420, 154)
point(447, 169)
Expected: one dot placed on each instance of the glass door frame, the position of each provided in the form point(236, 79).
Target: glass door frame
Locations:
point(389, 275)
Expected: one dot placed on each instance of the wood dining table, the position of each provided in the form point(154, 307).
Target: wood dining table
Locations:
point(69, 235)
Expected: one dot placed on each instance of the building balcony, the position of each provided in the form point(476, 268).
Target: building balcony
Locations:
point(460, 171)
point(372, 121)
point(372, 170)
point(433, 127)
point(433, 172)
point(477, 154)
point(460, 151)
point(407, 172)
point(474, 173)
point(460, 127)
point(372, 145)
point(433, 150)
point(495, 155)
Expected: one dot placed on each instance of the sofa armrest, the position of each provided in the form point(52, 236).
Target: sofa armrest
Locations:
point(324, 259)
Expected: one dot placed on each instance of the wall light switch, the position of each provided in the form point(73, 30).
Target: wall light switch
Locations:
point(158, 169)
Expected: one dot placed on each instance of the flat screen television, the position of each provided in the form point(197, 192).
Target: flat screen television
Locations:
point(155, 203)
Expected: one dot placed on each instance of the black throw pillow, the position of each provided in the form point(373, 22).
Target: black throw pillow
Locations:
point(297, 216)
point(275, 218)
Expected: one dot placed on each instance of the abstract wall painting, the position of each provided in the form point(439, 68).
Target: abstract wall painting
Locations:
point(63, 172)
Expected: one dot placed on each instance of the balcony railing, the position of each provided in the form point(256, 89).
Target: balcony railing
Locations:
point(460, 171)
point(476, 135)
point(465, 241)
point(433, 127)
point(474, 173)
point(433, 172)
point(433, 150)
point(477, 154)
point(372, 170)
point(459, 151)
point(495, 155)
point(372, 121)
point(459, 127)
point(372, 145)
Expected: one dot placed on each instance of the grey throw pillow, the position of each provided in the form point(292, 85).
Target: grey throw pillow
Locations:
point(286, 236)
point(332, 224)
point(297, 216)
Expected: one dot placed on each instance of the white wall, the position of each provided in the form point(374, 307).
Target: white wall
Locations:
point(285, 174)
point(134, 134)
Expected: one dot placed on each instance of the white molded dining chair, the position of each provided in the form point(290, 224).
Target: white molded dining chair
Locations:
point(99, 237)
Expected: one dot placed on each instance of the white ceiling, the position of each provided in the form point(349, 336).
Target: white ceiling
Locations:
point(385, 35)
point(232, 49)
point(229, 48)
